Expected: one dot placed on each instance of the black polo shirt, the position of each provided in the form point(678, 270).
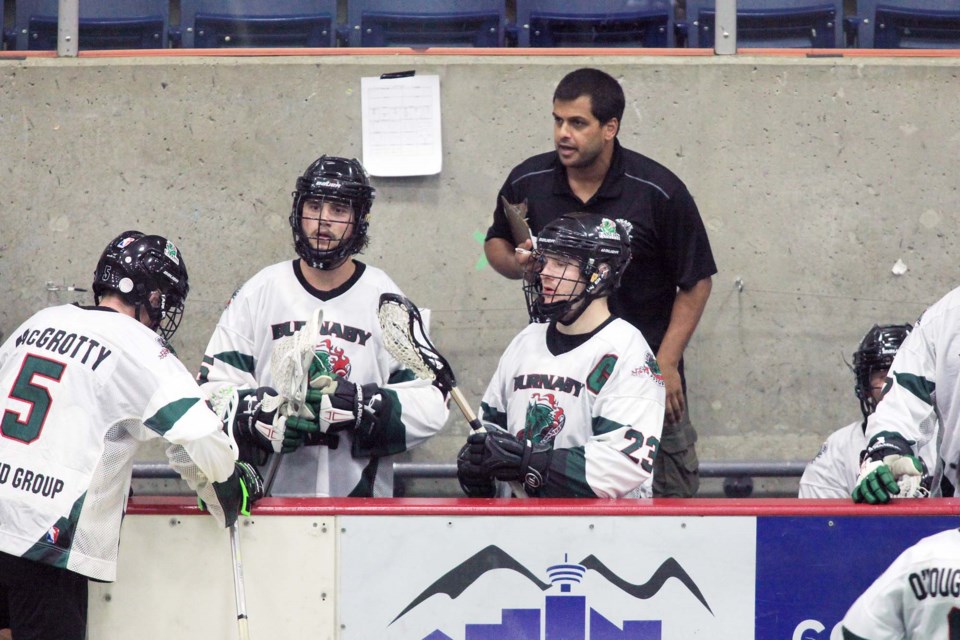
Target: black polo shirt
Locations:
point(669, 241)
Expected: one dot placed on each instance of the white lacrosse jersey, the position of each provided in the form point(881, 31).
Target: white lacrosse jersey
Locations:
point(275, 303)
point(916, 598)
point(80, 390)
point(834, 471)
point(600, 405)
point(924, 380)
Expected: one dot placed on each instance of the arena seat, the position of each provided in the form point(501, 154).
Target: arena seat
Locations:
point(426, 23)
point(599, 23)
point(771, 23)
point(104, 24)
point(208, 24)
point(907, 24)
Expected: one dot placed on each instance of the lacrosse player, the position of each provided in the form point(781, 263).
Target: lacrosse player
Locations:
point(575, 407)
point(668, 282)
point(833, 472)
point(80, 389)
point(922, 392)
point(916, 598)
point(370, 406)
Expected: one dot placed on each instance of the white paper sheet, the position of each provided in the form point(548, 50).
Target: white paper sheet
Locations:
point(401, 126)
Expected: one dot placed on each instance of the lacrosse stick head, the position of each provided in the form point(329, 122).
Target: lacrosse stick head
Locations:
point(405, 337)
point(290, 366)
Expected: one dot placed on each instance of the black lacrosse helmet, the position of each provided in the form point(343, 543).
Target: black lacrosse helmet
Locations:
point(340, 180)
point(590, 239)
point(135, 265)
point(875, 352)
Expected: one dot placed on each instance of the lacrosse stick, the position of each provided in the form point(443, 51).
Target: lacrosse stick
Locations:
point(406, 339)
point(289, 368)
point(238, 583)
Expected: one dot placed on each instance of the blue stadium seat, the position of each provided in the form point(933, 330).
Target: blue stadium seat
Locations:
point(104, 24)
point(599, 23)
point(426, 23)
point(771, 23)
point(908, 24)
point(208, 24)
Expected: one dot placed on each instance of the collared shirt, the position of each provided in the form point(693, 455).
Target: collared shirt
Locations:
point(669, 241)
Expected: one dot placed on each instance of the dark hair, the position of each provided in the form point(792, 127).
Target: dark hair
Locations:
point(605, 93)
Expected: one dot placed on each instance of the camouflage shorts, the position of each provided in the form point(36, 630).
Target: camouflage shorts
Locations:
point(676, 469)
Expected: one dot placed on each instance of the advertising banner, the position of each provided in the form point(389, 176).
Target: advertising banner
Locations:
point(562, 577)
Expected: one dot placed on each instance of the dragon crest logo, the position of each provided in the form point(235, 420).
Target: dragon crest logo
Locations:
point(650, 368)
point(333, 359)
point(545, 419)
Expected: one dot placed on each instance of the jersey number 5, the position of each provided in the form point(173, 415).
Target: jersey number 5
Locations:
point(25, 389)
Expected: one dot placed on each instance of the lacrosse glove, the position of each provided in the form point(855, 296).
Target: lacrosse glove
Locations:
point(499, 455)
point(335, 404)
point(263, 429)
point(473, 486)
point(238, 492)
point(888, 469)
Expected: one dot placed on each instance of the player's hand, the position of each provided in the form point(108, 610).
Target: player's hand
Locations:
point(888, 469)
point(498, 454)
point(893, 476)
point(335, 404)
point(473, 486)
point(239, 492)
point(265, 429)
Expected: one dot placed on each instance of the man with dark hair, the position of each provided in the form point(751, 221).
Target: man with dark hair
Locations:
point(666, 286)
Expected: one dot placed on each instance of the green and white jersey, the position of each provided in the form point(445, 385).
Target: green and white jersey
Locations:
point(916, 598)
point(600, 404)
point(924, 380)
point(276, 302)
point(80, 390)
point(834, 471)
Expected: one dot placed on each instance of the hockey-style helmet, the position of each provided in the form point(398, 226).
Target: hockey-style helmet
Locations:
point(591, 240)
point(135, 266)
point(340, 180)
point(875, 352)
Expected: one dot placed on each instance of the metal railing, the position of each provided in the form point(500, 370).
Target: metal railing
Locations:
point(737, 475)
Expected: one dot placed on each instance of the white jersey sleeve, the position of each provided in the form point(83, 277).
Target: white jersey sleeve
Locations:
point(833, 472)
point(916, 598)
point(600, 404)
point(81, 389)
point(924, 380)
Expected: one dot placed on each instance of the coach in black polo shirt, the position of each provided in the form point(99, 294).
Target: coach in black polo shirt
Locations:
point(666, 286)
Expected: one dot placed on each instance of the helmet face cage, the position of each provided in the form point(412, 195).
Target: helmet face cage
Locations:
point(589, 240)
point(338, 180)
point(876, 352)
point(147, 272)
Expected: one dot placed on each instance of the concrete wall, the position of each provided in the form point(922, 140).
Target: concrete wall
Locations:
point(814, 176)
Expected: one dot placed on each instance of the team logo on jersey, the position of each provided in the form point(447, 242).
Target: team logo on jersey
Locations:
point(650, 368)
point(545, 419)
point(53, 534)
point(333, 359)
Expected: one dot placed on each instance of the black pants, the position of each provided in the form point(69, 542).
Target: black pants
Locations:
point(42, 602)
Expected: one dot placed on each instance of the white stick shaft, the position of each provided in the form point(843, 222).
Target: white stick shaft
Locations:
point(238, 583)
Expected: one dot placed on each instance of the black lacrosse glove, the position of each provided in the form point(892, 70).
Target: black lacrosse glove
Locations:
point(238, 492)
point(499, 455)
point(265, 430)
point(336, 405)
point(473, 486)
